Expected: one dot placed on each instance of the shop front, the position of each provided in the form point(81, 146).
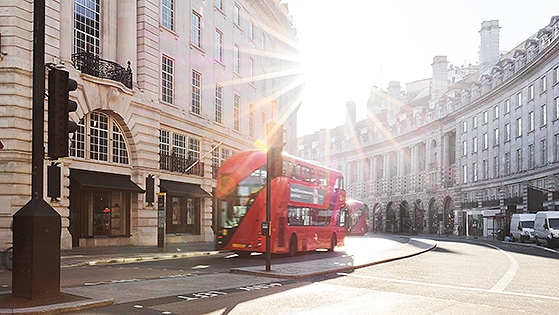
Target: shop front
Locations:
point(183, 210)
point(100, 208)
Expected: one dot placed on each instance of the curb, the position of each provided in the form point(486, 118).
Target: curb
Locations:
point(58, 308)
point(272, 274)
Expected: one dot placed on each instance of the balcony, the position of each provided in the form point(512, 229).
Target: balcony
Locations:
point(181, 165)
point(91, 64)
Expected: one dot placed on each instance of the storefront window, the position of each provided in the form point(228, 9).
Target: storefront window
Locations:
point(109, 213)
point(183, 214)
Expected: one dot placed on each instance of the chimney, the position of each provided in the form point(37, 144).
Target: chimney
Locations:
point(439, 82)
point(489, 48)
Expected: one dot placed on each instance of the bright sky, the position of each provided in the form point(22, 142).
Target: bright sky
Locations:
point(348, 46)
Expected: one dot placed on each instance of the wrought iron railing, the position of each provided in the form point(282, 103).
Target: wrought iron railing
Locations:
point(91, 64)
point(181, 165)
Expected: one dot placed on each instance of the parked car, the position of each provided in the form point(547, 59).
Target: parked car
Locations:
point(522, 227)
point(546, 228)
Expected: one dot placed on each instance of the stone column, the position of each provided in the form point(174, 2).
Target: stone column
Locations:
point(127, 35)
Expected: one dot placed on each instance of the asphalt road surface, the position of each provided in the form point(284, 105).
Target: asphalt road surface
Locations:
point(455, 278)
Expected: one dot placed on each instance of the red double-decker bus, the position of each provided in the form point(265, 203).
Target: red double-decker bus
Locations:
point(357, 217)
point(307, 205)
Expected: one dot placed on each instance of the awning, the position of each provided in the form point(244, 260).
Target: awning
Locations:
point(104, 180)
point(182, 188)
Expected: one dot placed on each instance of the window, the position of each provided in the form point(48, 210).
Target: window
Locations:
point(496, 136)
point(518, 159)
point(543, 144)
point(507, 132)
point(237, 15)
point(465, 148)
point(519, 127)
point(236, 59)
point(530, 92)
point(99, 137)
point(196, 29)
point(464, 174)
point(519, 99)
point(556, 148)
point(474, 172)
point(164, 144)
point(556, 75)
point(237, 112)
point(507, 106)
point(496, 171)
point(218, 45)
point(167, 14)
point(179, 146)
point(507, 163)
point(77, 149)
point(218, 112)
point(196, 92)
point(531, 122)
point(485, 165)
point(544, 114)
point(251, 30)
point(474, 122)
point(251, 69)
point(87, 27)
point(167, 79)
point(543, 84)
point(193, 149)
point(485, 142)
point(531, 157)
point(120, 151)
point(108, 212)
point(556, 108)
point(464, 126)
point(485, 117)
point(474, 145)
point(496, 112)
point(104, 138)
point(219, 4)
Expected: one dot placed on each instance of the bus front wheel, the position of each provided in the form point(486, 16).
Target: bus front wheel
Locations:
point(333, 243)
point(293, 245)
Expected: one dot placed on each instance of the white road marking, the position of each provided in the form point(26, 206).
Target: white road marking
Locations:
point(509, 275)
point(446, 286)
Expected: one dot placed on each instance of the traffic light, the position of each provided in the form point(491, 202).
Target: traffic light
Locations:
point(59, 125)
point(274, 133)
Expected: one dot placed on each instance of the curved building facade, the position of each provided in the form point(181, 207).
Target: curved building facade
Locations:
point(459, 152)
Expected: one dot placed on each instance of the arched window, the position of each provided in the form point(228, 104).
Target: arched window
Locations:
point(104, 140)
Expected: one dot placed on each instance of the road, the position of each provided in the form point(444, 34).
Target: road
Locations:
point(458, 277)
point(455, 278)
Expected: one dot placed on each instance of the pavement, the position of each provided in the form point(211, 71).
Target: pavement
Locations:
point(86, 297)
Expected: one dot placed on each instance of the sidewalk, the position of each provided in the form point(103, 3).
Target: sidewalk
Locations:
point(96, 296)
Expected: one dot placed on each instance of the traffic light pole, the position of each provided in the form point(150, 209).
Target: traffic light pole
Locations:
point(37, 226)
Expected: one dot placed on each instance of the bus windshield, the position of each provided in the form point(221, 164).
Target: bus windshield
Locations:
point(234, 206)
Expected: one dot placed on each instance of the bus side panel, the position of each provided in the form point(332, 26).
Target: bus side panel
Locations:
point(248, 236)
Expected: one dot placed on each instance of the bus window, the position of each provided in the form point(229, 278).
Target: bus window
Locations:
point(296, 172)
point(323, 179)
point(339, 184)
point(313, 175)
point(305, 174)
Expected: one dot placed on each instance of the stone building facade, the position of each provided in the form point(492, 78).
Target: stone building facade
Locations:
point(459, 152)
point(167, 90)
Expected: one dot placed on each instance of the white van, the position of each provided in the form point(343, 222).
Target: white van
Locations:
point(546, 228)
point(522, 227)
